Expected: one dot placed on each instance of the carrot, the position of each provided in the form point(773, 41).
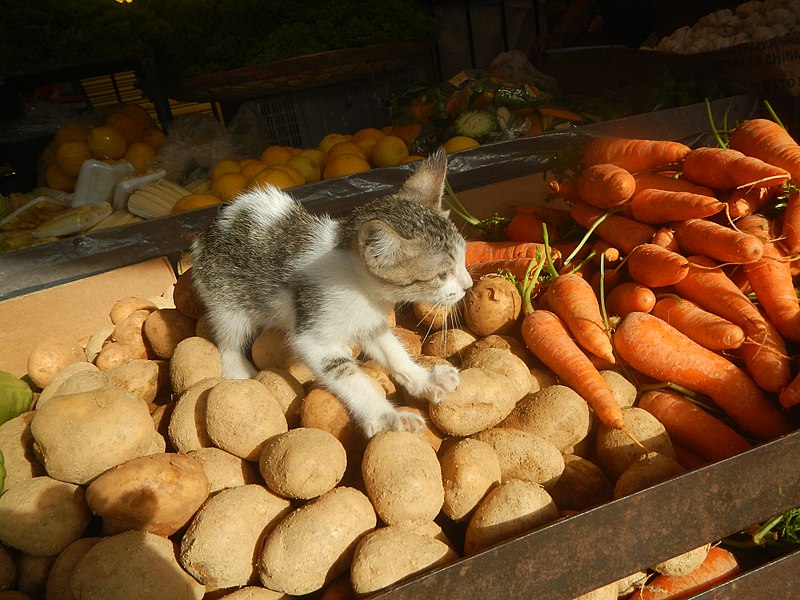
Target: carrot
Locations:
point(790, 223)
point(767, 360)
point(665, 237)
point(718, 567)
point(620, 232)
point(692, 427)
point(573, 300)
point(479, 251)
point(548, 339)
point(746, 201)
point(524, 227)
point(662, 206)
point(655, 266)
point(770, 277)
point(790, 395)
point(768, 141)
point(611, 279)
point(633, 154)
point(726, 168)
point(566, 190)
point(669, 182)
point(710, 288)
point(658, 350)
point(605, 252)
point(707, 329)
point(606, 186)
point(688, 459)
point(628, 297)
point(722, 243)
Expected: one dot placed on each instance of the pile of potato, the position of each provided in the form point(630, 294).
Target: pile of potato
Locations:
point(140, 473)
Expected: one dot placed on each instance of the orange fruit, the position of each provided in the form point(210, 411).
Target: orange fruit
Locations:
point(292, 172)
point(228, 185)
point(317, 155)
point(345, 164)
point(226, 165)
point(71, 155)
point(330, 139)
point(71, 132)
point(460, 142)
point(193, 202)
point(367, 133)
point(252, 168)
point(307, 166)
point(246, 161)
point(140, 155)
point(366, 145)
point(271, 176)
point(275, 155)
point(106, 142)
point(126, 125)
point(55, 178)
point(343, 148)
point(139, 114)
point(154, 137)
point(388, 151)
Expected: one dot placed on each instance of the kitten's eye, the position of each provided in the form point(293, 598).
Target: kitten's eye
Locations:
point(443, 275)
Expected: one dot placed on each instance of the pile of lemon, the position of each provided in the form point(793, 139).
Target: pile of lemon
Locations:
point(128, 132)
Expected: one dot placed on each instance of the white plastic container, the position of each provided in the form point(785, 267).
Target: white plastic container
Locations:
point(126, 187)
point(97, 180)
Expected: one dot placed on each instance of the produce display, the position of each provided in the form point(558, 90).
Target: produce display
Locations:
point(644, 326)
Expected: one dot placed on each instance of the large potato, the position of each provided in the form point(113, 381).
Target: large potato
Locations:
point(185, 298)
point(140, 376)
point(225, 536)
point(624, 390)
point(286, 389)
point(165, 328)
point(224, 470)
point(65, 374)
point(58, 580)
point(492, 305)
point(49, 355)
point(241, 415)
point(42, 516)
point(449, 344)
point(649, 469)
point(193, 360)
point(32, 574)
point(322, 410)
point(470, 468)
point(16, 445)
point(506, 365)
point(411, 553)
point(402, 477)
point(158, 493)
point(582, 485)
point(270, 350)
point(302, 463)
point(78, 436)
point(126, 306)
point(314, 544)
point(187, 424)
point(133, 564)
point(524, 455)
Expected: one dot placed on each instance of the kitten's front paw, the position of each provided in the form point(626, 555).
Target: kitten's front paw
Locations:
point(396, 420)
point(445, 379)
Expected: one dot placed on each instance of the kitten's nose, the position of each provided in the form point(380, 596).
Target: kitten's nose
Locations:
point(464, 279)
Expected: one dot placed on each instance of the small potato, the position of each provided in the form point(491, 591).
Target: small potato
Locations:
point(502, 341)
point(287, 390)
point(58, 580)
point(8, 570)
point(431, 317)
point(607, 592)
point(60, 516)
point(448, 344)
point(411, 553)
point(470, 468)
point(582, 485)
point(269, 350)
point(193, 360)
point(322, 410)
point(165, 328)
point(224, 470)
point(504, 364)
point(556, 413)
point(684, 563)
point(241, 414)
point(131, 329)
point(302, 463)
point(492, 305)
point(49, 356)
point(54, 387)
point(314, 544)
point(133, 564)
point(225, 535)
point(16, 446)
point(139, 376)
point(114, 354)
point(254, 592)
point(524, 455)
point(624, 390)
point(158, 493)
point(402, 477)
point(648, 469)
point(124, 307)
point(32, 574)
point(512, 508)
point(187, 424)
point(185, 298)
point(411, 340)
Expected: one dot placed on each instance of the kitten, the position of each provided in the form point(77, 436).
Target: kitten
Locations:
point(267, 262)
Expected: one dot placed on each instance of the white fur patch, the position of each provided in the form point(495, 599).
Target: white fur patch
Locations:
point(262, 205)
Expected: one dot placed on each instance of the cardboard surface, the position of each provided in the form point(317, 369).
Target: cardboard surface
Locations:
point(74, 310)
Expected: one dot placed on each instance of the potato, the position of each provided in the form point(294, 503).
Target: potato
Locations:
point(158, 493)
point(504, 364)
point(470, 468)
point(542, 377)
point(339, 589)
point(582, 485)
point(49, 356)
point(8, 570)
point(323, 410)
point(224, 470)
point(502, 341)
point(269, 350)
point(607, 592)
point(286, 389)
point(131, 329)
point(193, 360)
point(492, 305)
point(185, 298)
point(512, 508)
point(448, 344)
point(302, 463)
point(254, 592)
point(430, 317)
point(684, 563)
point(411, 340)
point(96, 342)
point(116, 424)
point(314, 545)
point(225, 535)
point(524, 455)
point(402, 478)
point(16, 446)
point(52, 388)
point(32, 572)
point(187, 425)
point(645, 471)
point(556, 413)
point(124, 307)
point(114, 354)
point(59, 518)
point(624, 390)
point(14, 595)
point(139, 376)
point(616, 451)
point(165, 328)
point(241, 414)
point(133, 564)
point(411, 553)
point(57, 586)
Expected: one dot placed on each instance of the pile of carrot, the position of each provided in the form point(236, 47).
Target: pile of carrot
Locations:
point(696, 289)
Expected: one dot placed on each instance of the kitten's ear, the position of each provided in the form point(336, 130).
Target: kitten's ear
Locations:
point(380, 244)
point(426, 185)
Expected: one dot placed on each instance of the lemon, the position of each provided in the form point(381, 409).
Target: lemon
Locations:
point(330, 139)
point(307, 166)
point(228, 185)
point(345, 164)
point(252, 167)
point(139, 114)
point(55, 178)
point(126, 125)
point(388, 151)
point(153, 137)
point(71, 155)
point(460, 142)
point(296, 175)
point(106, 142)
point(344, 148)
point(366, 146)
point(140, 155)
point(274, 177)
point(317, 155)
point(71, 132)
point(225, 166)
point(193, 202)
point(276, 155)
point(367, 133)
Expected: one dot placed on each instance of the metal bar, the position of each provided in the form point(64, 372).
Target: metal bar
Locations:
point(779, 578)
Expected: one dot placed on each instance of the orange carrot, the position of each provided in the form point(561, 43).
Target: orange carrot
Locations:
point(790, 223)
point(566, 190)
point(767, 360)
point(665, 237)
point(658, 350)
point(633, 154)
point(573, 300)
point(710, 288)
point(722, 243)
point(718, 567)
point(479, 251)
point(790, 395)
point(665, 181)
point(692, 427)
point(524, 227)
point(770, 277)
point(688, 459)
point(655, 266)
point(662, 206)
point(548, 339)
point(628, 297)
point(726, 168)
point(768, 141)
point(620, 232)
point(611, 279)
point(605, 252)
point(707, 329)
point(606, 186)
point(746, 201)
